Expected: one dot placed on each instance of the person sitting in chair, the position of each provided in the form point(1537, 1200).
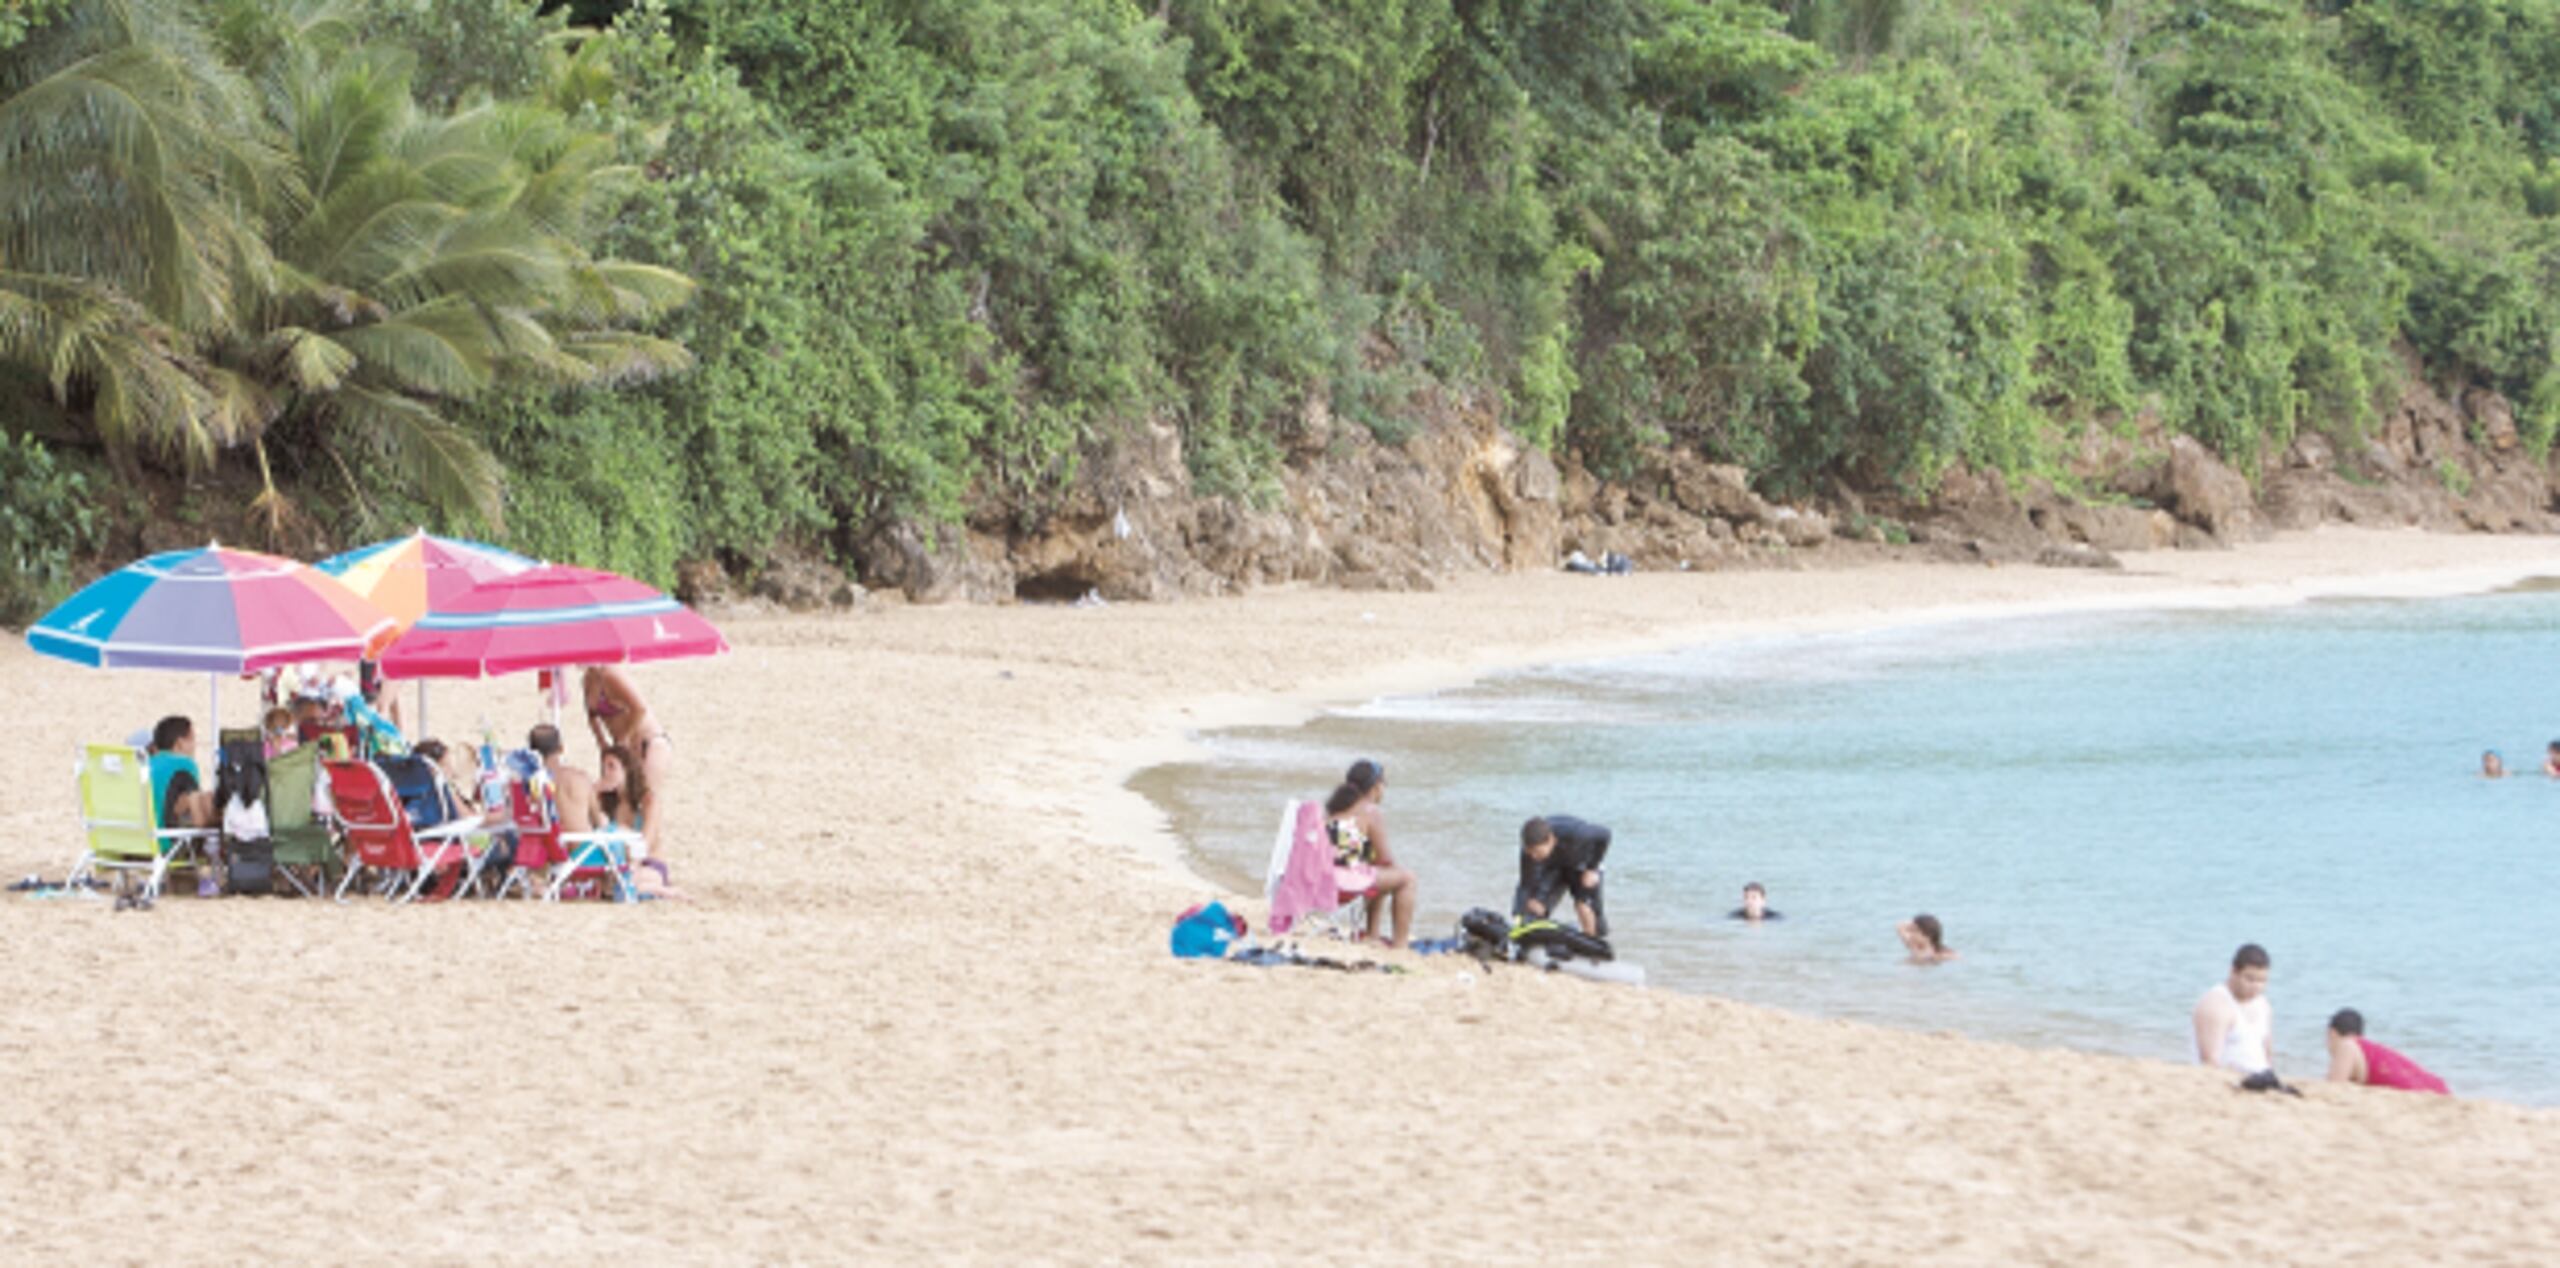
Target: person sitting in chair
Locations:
point(573, 791)
point(622, 798)
point(178, 790)
point(276, 735)
point(1358, 867)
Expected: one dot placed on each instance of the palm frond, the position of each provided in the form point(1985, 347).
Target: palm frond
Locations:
point(620, 358)
point(310, 361)
point(438, 353)
point(423, 451)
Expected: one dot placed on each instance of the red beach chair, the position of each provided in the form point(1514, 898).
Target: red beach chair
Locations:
point(377, 828)
point(552, 860)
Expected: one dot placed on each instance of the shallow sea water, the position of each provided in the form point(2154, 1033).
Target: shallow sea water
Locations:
point(2101, 807)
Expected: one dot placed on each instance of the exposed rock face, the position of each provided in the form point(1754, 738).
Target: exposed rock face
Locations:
point(1463, 495)
point(2209, 495)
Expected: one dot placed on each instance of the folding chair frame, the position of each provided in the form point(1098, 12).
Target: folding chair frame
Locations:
point(169, 845)
point(580, 851)
point(431, 846)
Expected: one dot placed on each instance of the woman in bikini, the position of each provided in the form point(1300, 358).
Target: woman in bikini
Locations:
point(622, 793)
point(1361, 864)
point(621, 719)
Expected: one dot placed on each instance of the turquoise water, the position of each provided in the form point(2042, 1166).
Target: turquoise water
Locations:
point(2100, 807)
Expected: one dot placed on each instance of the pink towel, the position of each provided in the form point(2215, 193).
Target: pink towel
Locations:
point(1307, 883)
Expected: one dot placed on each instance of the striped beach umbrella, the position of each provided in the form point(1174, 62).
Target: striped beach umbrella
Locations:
point(410, 577)
point(550, 617)
point(414, 576)
point(212, 610)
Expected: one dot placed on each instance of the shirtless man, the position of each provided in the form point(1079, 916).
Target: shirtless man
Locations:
point(580, 809)
point(2235, 1025)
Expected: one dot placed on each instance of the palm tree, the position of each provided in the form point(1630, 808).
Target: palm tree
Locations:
point(202, 258)
point(128, 230)
point(432, 257)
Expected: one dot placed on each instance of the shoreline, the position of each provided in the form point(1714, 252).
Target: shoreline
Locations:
point(1182, 741)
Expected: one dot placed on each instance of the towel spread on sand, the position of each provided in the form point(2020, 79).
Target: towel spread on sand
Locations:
point(1307, 883)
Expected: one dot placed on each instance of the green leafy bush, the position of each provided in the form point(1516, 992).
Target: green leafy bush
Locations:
point(47, 520)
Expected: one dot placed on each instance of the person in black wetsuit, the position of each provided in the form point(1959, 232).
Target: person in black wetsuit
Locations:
point(1755, 905)
point(1558, 854)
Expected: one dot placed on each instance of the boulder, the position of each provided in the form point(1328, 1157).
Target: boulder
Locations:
point(2209, 495)
point(1532, 516)
point(937, 566)
point(1800, 529)
point(2111, 527)
point(802, 581)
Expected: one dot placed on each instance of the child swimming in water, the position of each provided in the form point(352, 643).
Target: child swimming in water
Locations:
point(1925, 939)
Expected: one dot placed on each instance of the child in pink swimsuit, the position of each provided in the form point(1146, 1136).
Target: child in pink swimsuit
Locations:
point(2356, 1059)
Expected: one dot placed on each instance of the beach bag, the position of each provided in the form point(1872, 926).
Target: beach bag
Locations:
point(253, 866)
point(1486, 934)
point(1202, 932)
point(240, 790)
point(1561, 942)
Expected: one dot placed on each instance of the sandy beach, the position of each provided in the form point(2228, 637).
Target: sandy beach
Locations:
point(923, 1011)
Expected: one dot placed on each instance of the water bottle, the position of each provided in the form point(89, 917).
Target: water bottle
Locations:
point(493, 778)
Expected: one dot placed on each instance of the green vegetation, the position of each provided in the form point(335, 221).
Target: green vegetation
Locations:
point(694, 277)
point(46, 518)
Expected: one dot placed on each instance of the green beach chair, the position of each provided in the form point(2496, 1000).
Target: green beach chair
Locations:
point(122, 823)
point(302, 840)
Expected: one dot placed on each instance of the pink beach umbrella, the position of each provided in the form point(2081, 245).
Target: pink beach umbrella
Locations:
point(549, 617)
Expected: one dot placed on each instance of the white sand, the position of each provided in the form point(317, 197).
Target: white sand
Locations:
point(924, 1009)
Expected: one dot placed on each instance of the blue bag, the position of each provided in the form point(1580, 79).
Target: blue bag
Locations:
point(413, 780)
point(1205, 931)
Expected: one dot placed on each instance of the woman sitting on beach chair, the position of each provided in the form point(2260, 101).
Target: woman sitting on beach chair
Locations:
point(622, 792)
point(1361, 864)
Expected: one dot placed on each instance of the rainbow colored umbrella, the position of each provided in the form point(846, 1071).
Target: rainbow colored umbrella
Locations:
point(414, 576)
point(547, 618)
point(215, 611)
point(410, 577)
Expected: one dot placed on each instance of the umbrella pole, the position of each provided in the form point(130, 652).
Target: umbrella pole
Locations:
point(422, 709)
point(213, 710)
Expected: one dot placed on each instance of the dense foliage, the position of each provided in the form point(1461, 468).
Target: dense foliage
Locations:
point(945, 248)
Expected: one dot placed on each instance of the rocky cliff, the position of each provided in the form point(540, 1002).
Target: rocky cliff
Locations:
point(1463, 495)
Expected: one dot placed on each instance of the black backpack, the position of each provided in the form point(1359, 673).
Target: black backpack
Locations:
point(242, 777)
point(1486, 934)
point(1561, 942)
